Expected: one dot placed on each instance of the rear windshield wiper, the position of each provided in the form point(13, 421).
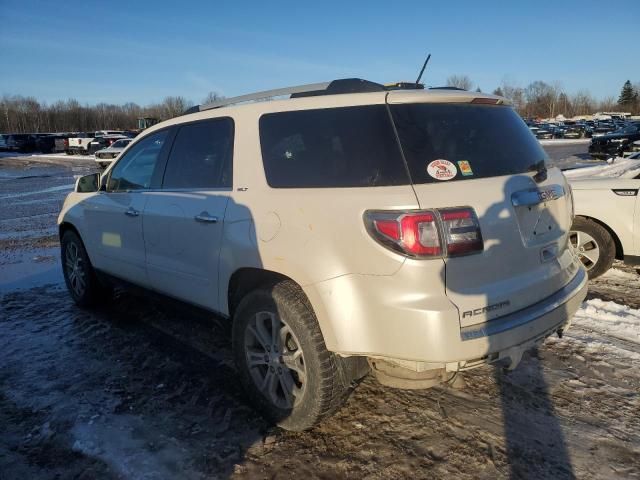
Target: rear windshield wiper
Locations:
point(541, 171)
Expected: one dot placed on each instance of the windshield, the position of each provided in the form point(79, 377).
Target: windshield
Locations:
point(471, 141)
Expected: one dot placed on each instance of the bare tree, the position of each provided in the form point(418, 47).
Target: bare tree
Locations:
point(608, 104)
point(174, 106)
point(460, 81)
point(583, 103)
point(212, 97)
point(514, 93)
point(20, 114)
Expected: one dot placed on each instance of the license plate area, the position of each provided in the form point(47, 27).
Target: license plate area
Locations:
point(537, 224)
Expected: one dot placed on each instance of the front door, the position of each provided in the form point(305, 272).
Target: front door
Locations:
point(114, 216)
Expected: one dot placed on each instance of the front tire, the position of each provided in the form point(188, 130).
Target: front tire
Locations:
point(283, 362)
point(594, 245)
point(79, 275)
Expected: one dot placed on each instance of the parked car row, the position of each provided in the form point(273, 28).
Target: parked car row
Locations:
point(620, 142)
point(90, 143)
point(574, 129)
point(69, 142)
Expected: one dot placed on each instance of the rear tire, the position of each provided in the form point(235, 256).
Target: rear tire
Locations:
point(593, 244)
point(79, 275)
point(293, 379)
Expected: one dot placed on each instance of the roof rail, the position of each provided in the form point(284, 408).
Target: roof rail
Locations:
point(448, 88)
point(345, 85)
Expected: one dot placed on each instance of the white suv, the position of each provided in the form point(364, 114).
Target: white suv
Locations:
point(416, 233)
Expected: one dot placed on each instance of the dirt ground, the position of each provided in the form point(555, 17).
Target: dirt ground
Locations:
point(143, 390)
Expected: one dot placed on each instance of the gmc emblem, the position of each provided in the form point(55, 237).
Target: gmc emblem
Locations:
point(545, 195)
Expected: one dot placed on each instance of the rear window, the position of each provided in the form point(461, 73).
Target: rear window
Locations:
point(335, 147)
point(473, 141)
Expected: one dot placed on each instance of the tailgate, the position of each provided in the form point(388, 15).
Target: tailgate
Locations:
point(483, 156)
point(524, 227)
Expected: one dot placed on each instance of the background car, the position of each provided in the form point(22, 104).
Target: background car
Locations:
point(99, 143)
point(607, 221)
point(20, 142)
point(106, 155)
point(541, 133)
point(615, 143)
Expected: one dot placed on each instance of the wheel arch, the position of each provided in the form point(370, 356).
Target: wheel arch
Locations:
point(619, 253)
point(245, 279)
point(65, 227)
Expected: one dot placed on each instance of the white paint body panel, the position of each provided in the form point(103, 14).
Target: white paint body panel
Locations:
point(596, 199)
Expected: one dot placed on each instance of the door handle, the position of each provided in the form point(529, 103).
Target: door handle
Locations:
point(204, 217)
point(131, 212)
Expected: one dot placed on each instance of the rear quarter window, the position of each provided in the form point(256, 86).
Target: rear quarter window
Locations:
point(479, 140)
point(334, 147)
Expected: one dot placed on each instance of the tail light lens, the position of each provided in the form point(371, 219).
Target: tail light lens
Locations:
point(461, 231)
point(427, 234)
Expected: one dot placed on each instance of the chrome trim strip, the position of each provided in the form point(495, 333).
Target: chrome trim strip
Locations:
point(534, 196)
point(529, 314)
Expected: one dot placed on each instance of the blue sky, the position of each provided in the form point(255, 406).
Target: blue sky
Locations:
point(143, 51)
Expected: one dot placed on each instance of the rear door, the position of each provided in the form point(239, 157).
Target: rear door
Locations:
point(484, 157)
point(183, 221)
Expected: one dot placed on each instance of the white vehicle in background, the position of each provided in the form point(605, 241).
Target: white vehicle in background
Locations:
point(607, 209)
point(105, 156)
point(81, 144)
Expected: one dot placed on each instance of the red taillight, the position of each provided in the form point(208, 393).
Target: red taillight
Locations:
point(388, 228)
point(461, 231)
point(427, 234)
point(420, 234)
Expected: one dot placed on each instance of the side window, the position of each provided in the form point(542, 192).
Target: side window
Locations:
point(202, 156)
point(331, 148)
point(135, 169)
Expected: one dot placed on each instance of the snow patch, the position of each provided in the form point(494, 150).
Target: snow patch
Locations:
point(621, 276)
point(565, 141)
point(610, 318)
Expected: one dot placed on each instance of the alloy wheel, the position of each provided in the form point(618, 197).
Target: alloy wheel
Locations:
point(74, 266)
point(586, 247)
point(275, 360)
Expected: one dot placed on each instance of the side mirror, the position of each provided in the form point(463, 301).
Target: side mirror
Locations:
point(88, 183)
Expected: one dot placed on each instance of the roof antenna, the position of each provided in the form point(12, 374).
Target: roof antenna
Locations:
point(422, 71)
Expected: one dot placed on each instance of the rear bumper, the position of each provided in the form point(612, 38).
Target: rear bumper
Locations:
point(378, 317)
